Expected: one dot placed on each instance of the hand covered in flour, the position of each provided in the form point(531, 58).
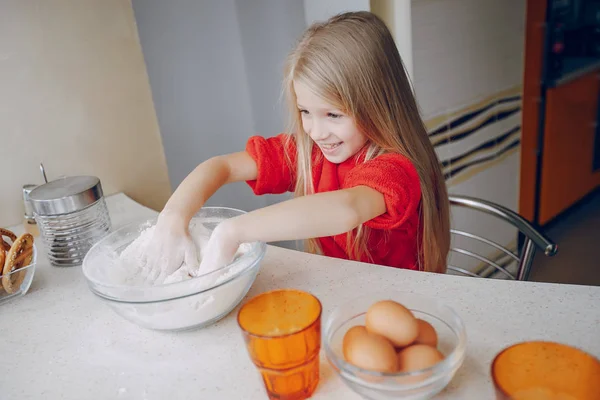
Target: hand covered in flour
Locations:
point(169, 248)
point(221, 248)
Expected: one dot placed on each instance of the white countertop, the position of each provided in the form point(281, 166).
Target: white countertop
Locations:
point(61, 342)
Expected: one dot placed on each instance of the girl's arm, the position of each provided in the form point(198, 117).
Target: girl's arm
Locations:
point(312, 216)
point(205, 180)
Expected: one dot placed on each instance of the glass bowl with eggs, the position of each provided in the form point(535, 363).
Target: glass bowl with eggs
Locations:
point(395, 345)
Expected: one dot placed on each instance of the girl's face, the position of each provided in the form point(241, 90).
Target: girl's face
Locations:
point(334, 132)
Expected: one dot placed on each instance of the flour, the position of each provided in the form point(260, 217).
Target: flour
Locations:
point(189, 301)
point(197, 310)
point(133, 259)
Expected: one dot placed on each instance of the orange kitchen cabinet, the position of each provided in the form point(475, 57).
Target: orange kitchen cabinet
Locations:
point(567, 171)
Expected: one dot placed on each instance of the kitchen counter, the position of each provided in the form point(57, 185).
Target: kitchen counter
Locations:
point(61, 342)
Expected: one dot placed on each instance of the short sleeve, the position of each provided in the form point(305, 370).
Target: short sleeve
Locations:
point(275, 159)
point(397, 179)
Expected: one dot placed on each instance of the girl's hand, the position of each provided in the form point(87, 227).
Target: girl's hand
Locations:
point(169, 248)
point(172, 244)
point(221, 248)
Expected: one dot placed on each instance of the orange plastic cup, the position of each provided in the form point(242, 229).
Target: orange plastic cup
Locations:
point(545, 371)
point(282, 331)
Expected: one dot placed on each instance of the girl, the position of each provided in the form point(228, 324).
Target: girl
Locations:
point(367, 182)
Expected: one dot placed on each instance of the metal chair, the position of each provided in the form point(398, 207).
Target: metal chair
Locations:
point(532, 239)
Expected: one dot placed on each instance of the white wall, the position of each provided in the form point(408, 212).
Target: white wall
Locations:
point(465, 50)
point(320, 10)
point(193, 53)
point(74, 94)
point(269, 29)
point(395, 13)
point(397, 16)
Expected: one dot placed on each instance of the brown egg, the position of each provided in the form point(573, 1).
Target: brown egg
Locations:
point(349, 337)
point(418, 356)
point(427, 334)
point(372, 352)
point(392, 321)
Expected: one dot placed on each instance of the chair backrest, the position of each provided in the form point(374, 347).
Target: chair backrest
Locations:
point(532, 239)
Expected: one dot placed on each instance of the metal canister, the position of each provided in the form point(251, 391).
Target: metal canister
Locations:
point(72, 216)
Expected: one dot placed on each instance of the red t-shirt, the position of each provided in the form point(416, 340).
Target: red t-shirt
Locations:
point(393, 237)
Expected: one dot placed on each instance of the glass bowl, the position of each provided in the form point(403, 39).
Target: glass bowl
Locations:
point(421, 384)
point(24, 275)
point(188, 304)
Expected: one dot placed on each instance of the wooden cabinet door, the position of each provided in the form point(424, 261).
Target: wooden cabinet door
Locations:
point(568, 145)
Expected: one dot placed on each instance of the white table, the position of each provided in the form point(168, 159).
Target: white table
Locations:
point(61, 342)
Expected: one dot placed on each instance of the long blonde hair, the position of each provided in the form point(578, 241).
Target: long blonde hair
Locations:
point(351, 61)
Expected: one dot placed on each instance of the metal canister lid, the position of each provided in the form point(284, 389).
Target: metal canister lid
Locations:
point(65, 195)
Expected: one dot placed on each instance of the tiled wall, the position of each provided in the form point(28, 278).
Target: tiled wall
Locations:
point(468, 71)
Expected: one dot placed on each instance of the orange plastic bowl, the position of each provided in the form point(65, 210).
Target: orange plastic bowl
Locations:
point(545, 371)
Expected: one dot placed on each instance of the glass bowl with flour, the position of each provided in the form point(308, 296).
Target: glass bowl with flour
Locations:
point(114, 271)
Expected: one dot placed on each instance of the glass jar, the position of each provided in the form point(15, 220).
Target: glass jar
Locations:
point(72, 216)
point(28, 218)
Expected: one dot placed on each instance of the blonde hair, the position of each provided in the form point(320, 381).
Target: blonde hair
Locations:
point(351, 61)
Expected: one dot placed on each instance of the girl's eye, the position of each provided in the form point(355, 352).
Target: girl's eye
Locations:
point(304, 112)
point(334, 115)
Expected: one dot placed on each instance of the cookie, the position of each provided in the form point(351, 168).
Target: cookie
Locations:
point(19, 256)
point(3, 243)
